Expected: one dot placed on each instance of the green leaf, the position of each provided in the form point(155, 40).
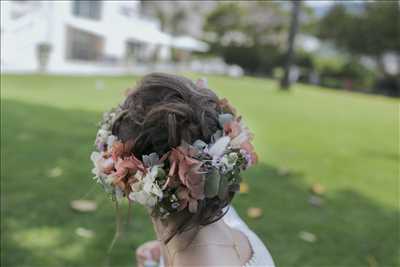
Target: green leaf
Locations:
point(200, 145)
point(223, 187)
point(212, 184)
point(150, 160)
point(160, 173)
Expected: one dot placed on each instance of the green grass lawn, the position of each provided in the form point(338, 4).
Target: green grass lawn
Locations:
point(347, 142)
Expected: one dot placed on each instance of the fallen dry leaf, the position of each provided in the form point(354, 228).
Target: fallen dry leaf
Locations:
point(83, 205)
point(372, 262)
point(318, 189)
point(254, 213)
point(83, 232)
point(55, 172)
point(307, 236)
point(244, 188)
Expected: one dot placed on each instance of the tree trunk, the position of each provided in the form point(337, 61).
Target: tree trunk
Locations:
point(294, 25)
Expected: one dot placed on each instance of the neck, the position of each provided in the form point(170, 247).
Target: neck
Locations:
point(181, 241)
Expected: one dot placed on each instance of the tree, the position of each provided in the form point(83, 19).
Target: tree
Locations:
point(178, 17)
point(172, 19)
point(292, 35)
point(372, 30)
point(224, 19)
point(249, 34)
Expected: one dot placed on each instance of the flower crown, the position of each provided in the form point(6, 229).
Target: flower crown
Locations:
point(183, 176)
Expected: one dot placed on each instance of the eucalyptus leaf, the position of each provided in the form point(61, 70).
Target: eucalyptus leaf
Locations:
point(223, 187)
point(212, 184)
point(151, 160)
point(160, 173)
point(199, 145)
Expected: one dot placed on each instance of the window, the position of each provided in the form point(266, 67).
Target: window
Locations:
point(82, 45)
point(87, 9)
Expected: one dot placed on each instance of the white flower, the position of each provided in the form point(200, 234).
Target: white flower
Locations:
point(150, 186)
point(102, 135)
point(144, 198)
point(229, 161)
point(138, 175)
point(100, 177)
point(219, 147)
point(95, 156)
point(146, 191)
point(109, 179)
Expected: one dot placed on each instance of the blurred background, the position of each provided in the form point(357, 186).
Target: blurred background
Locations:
point(317, 81)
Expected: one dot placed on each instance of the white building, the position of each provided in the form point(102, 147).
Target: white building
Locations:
point(82, 37)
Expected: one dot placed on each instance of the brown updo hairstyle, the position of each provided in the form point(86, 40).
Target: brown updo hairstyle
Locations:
point(161, 112)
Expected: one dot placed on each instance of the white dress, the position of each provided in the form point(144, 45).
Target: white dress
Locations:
point(260, 254)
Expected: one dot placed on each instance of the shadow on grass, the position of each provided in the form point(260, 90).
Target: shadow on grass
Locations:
point(351, 229)
point(38, 227)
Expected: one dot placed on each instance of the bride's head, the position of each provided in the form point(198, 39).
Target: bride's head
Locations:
point(174, 147)
point(164, 110)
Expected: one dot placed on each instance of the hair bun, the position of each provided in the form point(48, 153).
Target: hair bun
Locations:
point(164, 110)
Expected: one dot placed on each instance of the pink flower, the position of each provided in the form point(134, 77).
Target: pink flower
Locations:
point(185, 200)
point(117, 150)
point(125, 168)
point(233, 128)
point(187, 170)
point(120, 149)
